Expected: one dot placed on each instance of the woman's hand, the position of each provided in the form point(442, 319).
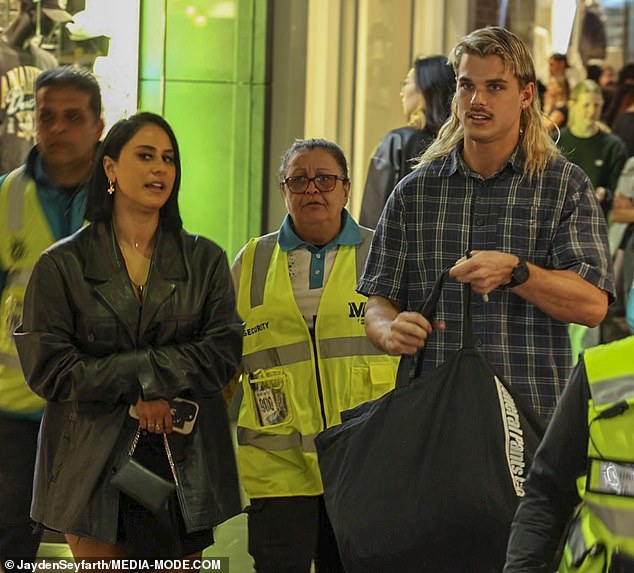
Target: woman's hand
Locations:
point(154, 415)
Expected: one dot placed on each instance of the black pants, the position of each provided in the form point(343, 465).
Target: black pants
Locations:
point(287, 533)
point(18, 438)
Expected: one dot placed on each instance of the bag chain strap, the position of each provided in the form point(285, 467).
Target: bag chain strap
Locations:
point(168, 451)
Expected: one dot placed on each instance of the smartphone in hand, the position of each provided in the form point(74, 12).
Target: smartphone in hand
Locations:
point(184, 413)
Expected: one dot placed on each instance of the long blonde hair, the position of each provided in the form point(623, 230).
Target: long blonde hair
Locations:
point(535, 141)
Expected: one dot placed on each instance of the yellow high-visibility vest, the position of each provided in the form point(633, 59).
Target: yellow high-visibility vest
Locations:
point(24, 234)
point(604, 523)
point(295, 387)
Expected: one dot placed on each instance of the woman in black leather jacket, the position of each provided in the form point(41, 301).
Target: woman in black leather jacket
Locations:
point(132, 311)
point(426, 94)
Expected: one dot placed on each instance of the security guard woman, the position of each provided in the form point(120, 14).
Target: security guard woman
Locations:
point(306, 357)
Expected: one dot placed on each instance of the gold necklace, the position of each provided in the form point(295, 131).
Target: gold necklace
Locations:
point(137, 267)
point(137, 262)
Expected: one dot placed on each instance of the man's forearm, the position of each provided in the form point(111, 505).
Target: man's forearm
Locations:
point(379, 313)
point(564, 295)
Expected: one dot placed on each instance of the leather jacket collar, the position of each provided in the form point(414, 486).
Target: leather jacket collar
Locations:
point(104, 266)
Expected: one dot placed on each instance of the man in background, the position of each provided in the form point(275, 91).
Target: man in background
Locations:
point(41, 202)
point(558, 64)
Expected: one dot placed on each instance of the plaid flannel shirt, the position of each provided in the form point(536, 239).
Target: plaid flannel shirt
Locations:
point(442, 209)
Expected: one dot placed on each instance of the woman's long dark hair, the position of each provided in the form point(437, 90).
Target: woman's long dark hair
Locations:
point(436, 80)
point(99, 202)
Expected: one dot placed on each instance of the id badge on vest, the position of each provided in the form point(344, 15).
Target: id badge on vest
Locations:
point(611, 477)
point(268, 392)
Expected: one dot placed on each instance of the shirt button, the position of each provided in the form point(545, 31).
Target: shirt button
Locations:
point(317, 272)
point(479, 221)
point(318, 256)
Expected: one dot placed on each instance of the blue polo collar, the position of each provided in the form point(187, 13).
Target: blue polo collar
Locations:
point(349, 235)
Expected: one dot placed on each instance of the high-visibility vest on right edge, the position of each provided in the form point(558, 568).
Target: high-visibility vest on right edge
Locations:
point(24, 234)
point(604, 524)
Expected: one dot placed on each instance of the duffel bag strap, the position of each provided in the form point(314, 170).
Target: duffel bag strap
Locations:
point(410, 367)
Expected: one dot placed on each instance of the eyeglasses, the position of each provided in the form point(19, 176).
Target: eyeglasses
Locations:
point(323, 183)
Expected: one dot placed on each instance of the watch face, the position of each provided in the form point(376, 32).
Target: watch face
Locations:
point(520, 273)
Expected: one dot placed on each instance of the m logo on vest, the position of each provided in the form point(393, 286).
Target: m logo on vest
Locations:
point(357, 310)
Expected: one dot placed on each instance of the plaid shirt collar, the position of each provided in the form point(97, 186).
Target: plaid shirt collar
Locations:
point(454, 162)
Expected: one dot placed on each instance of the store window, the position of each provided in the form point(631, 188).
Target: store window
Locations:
point(619, 27)
point(35, 35)
point(44, 23)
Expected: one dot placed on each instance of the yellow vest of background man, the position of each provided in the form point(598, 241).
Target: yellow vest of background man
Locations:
point(20, 247)
point(294, 386)
point(604, 524)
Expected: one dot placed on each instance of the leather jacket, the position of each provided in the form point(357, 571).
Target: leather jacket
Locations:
point(393, 159)
point(90, 349)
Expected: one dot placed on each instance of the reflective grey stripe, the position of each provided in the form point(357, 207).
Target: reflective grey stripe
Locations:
point(279, 356)
point(620, 522)
point(576, 541)
point(350, 346)
point(261, 260)
point(10, 361)
point(612, 390)
point(611, 477)
point(15, 216)
point(300, 351)
point(19, 278)
point(248, 437)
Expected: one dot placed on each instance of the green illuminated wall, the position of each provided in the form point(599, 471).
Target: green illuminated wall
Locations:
point(202, 66)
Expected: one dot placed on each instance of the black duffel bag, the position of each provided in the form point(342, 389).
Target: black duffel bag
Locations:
point(427, 478)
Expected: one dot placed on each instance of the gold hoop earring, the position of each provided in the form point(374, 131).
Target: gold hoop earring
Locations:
point(110, 187)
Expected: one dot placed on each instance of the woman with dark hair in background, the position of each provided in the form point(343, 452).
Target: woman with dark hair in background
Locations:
point(555, 106)
point(132, 311)
point(624, 126)
point(623, 109)
point(426, 94)
point(622, 98)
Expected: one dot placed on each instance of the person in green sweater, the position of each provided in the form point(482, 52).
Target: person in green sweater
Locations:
point(588, 143)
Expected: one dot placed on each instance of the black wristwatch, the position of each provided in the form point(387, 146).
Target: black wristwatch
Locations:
point(520, 273)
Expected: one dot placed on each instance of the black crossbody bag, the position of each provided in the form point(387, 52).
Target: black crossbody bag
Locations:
point(141, 484)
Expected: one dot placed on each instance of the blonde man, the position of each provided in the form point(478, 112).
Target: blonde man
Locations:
point(494, 186)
